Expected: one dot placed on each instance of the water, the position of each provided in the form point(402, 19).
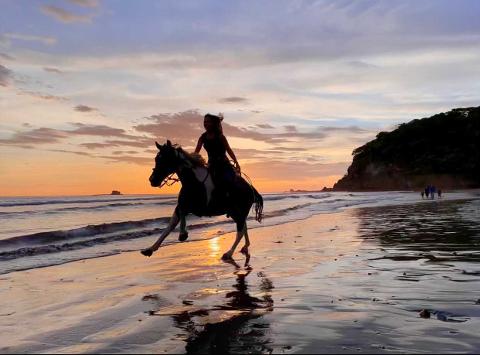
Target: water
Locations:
point(43, 231)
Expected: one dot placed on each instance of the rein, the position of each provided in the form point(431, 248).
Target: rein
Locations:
point(169, 181)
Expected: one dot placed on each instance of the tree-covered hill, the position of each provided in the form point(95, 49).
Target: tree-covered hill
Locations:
point(443, 150)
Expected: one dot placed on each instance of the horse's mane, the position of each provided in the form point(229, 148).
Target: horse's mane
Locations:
point(195, 158)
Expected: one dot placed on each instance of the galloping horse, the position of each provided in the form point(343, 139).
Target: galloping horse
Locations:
point(197, 196)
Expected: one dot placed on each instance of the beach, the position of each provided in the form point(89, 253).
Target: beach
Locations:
point(347, 281)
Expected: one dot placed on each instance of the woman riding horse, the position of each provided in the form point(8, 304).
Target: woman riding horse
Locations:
point(197, 186)
point(216, 145)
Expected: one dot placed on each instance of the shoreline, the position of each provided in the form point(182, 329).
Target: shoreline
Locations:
point(224, 225)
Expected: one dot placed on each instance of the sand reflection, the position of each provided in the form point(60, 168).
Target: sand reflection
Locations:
point(229, 321)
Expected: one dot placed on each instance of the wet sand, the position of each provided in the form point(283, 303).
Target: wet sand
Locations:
point(348, 282)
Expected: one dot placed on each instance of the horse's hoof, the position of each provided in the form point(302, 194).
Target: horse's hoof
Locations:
point(247, 261)
point(147, 252)
point(227, 256)
point(183, 237)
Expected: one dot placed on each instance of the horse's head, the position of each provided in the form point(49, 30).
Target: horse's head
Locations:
point(165, 163)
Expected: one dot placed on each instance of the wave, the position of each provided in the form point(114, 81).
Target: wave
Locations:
point(296, 196)
point(83, 208)
point(80, 244)
point(17, 203)
point(163, 201)
point(52, 248)
point(117, 202)
point(83, 232)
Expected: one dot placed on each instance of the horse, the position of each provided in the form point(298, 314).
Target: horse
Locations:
point(197, 196)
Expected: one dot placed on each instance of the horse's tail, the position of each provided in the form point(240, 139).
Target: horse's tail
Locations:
point(258, 201)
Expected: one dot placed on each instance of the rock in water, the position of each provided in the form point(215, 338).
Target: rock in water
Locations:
point(424, 313)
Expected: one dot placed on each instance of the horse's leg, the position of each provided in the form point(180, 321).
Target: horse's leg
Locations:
point(183, 235)
point(240, 230)
point(244, 250)
point(173, 223)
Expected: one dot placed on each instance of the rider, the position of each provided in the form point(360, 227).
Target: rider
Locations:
point(217, 146)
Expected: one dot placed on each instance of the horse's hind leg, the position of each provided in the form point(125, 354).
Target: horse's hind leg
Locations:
point(183, 235)
point(244, 250)
point(240, 231)
point(173, 223)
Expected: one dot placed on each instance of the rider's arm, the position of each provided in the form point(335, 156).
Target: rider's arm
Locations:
point(230, 152)
point(199, 144)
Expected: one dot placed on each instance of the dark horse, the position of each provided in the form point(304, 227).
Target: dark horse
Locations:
point(197, 196)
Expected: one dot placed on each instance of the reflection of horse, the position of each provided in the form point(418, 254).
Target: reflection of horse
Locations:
point(230, 328)
point(196, 196)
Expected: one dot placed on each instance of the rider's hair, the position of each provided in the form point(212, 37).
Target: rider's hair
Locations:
point(217, 122)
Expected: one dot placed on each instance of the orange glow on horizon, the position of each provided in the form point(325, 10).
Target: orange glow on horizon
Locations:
point(57, 174)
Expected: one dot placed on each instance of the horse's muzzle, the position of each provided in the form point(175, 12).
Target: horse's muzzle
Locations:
point(153, 182)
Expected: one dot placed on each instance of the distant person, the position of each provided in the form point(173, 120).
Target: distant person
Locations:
point(423, 195)
point(427, 190)
point(433, 189)
point(439, 192)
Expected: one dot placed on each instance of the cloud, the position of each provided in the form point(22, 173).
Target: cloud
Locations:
point(6, 56)
point(35, 136)
point(30, 38)
point(351, 129)
point(42, 96)
point(233, 100)
point(53, 70)
point(5, 76)
point(70, 152)
point(187, 126)
point(264, 125)
point(65, 16)
point(96, 145)
point(84, 108)
point(50, 135)
point(120, 152)
point(99, 130)
point(290, 128)
point(290, 149)
point(85, 3)
point(136, 142)
point(129, 159)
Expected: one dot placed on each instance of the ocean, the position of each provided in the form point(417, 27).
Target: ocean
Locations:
point(44, 231)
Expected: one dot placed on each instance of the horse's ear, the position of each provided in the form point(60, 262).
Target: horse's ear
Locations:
point(158, 146)
point(169, 144)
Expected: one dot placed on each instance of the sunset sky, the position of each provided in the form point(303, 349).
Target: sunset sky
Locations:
point(87, 86)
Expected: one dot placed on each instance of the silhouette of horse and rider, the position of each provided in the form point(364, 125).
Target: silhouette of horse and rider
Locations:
point(207, 190)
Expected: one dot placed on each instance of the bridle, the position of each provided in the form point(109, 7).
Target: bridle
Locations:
point(170, 180)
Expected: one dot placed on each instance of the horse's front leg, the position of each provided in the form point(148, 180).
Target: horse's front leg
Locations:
point(172, 224)
point(183, 235)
